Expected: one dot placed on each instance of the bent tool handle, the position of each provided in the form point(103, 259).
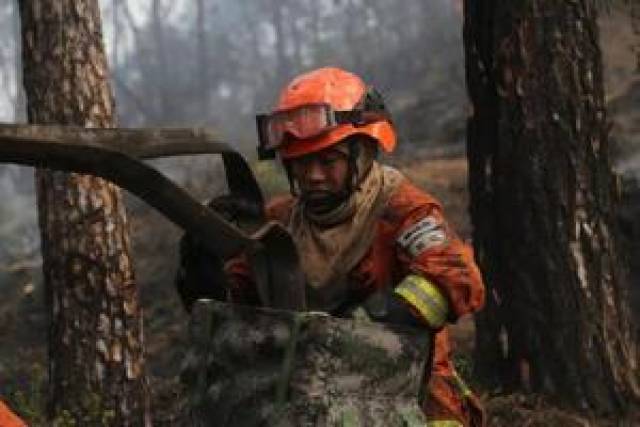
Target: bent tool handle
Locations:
point(95, 158)
point(113, 154)
point(150, 143)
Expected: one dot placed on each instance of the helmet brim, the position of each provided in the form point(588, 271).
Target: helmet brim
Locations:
point(382, 132)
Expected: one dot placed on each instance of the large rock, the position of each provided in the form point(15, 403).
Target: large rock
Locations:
point(261, 367)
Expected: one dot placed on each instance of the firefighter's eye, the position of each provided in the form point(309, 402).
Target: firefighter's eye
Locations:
point(329, 161)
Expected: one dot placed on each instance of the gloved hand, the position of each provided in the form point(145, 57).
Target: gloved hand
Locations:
point(397, 311)
point(245, 214)
point(200, 273)
point(414, 302)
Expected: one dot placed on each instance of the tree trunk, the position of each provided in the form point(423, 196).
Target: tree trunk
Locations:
point(161, 80)
point(18, 103)
point(543, 205)
point(635, 25)
point(95, 345)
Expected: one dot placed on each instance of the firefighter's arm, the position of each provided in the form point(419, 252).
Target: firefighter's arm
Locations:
point(242, 285)
point(442, 281)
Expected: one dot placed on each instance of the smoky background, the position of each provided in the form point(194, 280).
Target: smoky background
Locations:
point(216, 63)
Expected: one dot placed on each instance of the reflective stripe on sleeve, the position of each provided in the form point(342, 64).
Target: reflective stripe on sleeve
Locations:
point(426, 298)
point(462, 386)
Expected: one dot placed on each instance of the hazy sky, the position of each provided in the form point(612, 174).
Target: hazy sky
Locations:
point(10, 44)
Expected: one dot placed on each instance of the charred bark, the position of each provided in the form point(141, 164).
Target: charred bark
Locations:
point(543, 205)
point(96, 349)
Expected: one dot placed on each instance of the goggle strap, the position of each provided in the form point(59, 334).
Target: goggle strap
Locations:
point(371, 108)
point(360, 117)
point(264, 152)
point(348, 116)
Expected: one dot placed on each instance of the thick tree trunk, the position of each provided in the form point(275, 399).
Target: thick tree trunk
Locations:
point(543, 204)
point(96, 348)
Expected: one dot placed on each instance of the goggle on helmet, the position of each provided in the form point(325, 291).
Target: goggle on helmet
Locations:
point(308, 121)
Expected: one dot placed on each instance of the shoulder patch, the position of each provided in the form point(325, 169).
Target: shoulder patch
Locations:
point(425, 234)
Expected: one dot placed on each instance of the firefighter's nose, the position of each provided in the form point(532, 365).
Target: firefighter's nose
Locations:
point(315, 173)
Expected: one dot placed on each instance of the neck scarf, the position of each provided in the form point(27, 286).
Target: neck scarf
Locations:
point(330, 245)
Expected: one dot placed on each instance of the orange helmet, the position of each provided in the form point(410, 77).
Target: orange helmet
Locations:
point(321, 108)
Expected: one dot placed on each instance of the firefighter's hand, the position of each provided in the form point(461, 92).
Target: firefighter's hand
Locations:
point(384, 306)
point(399, 312)
point(200, 274)
point(243, 213)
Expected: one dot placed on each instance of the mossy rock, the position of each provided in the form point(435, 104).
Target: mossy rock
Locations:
point(255, 366)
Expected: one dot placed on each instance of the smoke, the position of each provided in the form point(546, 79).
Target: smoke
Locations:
point(18, 217)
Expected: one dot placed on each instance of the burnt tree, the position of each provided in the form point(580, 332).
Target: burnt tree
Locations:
point(543, 203)
point(95, 345)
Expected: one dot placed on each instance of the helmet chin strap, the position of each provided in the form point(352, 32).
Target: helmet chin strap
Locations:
point(326, 203)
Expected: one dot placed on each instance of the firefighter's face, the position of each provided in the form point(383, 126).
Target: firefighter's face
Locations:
point(321, 175)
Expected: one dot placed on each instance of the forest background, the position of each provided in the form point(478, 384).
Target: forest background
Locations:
point(215, 64)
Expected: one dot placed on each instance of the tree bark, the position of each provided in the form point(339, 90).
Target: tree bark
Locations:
point(204, 87)
point(18, 103)
point(635, 25)
point(96, 355)
point(543, 206)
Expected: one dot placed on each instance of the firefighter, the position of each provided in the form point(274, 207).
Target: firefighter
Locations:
point(8, 418)
point(367, 236)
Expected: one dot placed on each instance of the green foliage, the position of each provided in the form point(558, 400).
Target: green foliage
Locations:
point(29, 401)
point(94, 414)
point(271, 177)
point(464, 366)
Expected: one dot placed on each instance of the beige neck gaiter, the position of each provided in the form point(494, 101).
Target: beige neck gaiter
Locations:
point(332, 245)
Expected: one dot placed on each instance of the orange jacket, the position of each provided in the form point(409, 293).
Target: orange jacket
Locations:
point(450, 266)
point(8, 418)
